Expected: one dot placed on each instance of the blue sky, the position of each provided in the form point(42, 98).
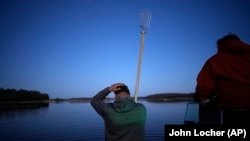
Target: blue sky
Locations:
point(75, 48)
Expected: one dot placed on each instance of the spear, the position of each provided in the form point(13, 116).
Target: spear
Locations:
point(145, 18)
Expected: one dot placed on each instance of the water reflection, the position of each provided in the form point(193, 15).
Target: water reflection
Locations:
point(76, 121)
point(14, 110)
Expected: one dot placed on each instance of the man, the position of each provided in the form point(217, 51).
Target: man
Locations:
point(227, 73)
point(124, 119)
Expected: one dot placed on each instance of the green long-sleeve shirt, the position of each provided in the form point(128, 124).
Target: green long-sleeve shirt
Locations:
point(124, 119)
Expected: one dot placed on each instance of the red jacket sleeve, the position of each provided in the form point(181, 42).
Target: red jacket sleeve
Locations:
point(205, 81)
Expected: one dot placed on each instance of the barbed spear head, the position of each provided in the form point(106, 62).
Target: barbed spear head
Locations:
point(145, 18)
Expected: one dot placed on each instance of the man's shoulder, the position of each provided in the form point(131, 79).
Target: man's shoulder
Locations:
point(140, 105)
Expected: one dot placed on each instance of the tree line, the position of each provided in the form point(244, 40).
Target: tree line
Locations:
point(10, 95)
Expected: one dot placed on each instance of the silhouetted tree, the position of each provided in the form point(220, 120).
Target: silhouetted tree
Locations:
point(8, 95)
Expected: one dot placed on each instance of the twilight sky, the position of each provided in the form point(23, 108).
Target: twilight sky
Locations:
point(75, 48)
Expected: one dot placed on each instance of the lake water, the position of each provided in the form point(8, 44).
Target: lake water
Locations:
point(78, 121)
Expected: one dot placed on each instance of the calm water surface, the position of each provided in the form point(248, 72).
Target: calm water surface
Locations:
point(79, 122)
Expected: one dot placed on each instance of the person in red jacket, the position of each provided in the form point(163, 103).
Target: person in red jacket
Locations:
point(227, 73)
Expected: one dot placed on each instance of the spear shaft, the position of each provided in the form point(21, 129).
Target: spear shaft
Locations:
point(145, 18)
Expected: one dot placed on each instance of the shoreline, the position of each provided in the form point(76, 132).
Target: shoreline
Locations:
point(162, 97)
point(24, 102)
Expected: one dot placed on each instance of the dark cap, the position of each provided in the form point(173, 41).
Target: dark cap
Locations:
point(228, 38)
point(123, 88)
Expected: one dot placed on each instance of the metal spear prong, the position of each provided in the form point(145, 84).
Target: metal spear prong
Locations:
point(145, 18)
